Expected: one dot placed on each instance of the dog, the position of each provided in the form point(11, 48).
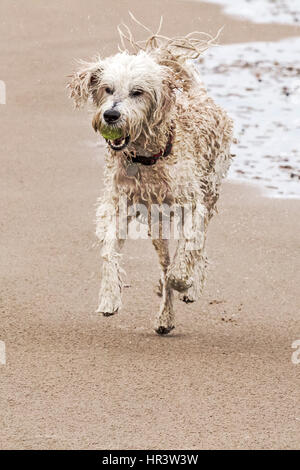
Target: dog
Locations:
point(168, 145)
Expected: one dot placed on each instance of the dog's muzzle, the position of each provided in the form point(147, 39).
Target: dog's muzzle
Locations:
point(110, 130)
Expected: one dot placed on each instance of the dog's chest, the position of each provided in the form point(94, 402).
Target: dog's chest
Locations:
point(142, 183)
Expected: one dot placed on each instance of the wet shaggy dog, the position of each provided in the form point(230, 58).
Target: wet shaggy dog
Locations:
point(168, 145)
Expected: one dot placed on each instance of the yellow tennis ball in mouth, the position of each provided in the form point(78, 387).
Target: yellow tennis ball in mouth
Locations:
point(110, 133)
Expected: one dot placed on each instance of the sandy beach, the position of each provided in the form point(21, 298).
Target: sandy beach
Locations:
point(75, 380)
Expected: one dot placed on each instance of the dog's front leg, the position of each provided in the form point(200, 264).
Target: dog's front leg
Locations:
point(165, 319)
point(111, 283)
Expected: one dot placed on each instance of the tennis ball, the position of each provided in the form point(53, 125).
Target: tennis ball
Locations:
point(111, 133)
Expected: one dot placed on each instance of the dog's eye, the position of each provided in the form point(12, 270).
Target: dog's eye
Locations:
point(108, 90)
point(136, 93)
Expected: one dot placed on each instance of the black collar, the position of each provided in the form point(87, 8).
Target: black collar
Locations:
point(154, 158)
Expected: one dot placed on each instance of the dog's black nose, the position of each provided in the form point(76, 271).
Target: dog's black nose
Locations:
point(111, 115)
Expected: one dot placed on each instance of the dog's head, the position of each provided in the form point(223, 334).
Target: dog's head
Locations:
point(131, 94)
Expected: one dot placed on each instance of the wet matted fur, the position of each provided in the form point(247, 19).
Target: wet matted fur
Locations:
point(155, 88)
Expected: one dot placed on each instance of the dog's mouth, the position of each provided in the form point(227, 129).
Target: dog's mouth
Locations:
point(119, 144)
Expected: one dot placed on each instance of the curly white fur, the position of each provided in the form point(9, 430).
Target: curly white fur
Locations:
point(158, 92)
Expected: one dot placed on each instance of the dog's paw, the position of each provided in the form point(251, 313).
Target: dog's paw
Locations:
point(192, 294)
point(107, 314)
point(108, 307)
point(186, 298)
point(163, 330)
point(189, 296)
point(180, 284)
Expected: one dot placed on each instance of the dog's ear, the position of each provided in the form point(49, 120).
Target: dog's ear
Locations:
point(180, 76)
point(175, 68)
point(84, 83)
point(167, 97)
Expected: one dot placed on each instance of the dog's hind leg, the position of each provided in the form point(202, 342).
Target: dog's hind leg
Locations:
point(111, 283)
point(165, 318)
point(187, 270)
point(180, 270)
point(198, 275)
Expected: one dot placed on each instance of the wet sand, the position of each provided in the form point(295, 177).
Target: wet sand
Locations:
point(224, 378)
